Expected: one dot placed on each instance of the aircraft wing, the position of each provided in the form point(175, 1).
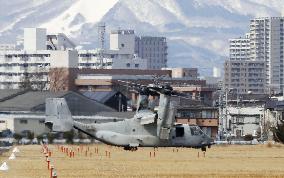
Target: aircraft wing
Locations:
point(166, 117)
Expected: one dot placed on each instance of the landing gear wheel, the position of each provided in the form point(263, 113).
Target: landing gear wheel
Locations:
point(133, 148)
point(128, 148)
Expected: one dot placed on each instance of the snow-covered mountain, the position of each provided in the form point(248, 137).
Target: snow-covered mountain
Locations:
point(197, 30)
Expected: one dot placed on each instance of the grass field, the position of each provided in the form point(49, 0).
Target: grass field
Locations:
point(220, 161)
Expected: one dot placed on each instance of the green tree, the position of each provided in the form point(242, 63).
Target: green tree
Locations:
point(69, 136)
point(31, 135)
point(17, 136)
point(50, 137)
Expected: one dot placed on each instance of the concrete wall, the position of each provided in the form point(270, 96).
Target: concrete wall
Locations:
point(64, 59)
point(18, 124)
point(6, 123)
point(123, 40)
point(34, 39)
point(34, 125)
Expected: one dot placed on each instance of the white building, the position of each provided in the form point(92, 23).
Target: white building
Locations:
point(244, 120)
point(123, 41)
point(7, 47)
point(43, 51)
point(112, 59)
point(32, 64)
point(266, 44)
point(20, 124)
point(59, 42)
point(121, 54)
point(154, 49)
point(240, 48)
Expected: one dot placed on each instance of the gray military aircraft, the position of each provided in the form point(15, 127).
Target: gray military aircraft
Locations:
point(148, 128)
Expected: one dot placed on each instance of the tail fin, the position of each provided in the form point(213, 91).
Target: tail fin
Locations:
point(58, 116)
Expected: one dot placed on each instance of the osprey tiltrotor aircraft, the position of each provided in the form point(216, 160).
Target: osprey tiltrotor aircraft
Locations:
point(148, 128)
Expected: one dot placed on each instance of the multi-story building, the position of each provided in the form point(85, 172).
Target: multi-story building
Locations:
point(112, 59)
point(241, 72)
point(240, 48)
point(203, 116)
point(7, 47)
point(121, 54)
point(189, 73)
point(244, 121)
point(43, 54)
point(266, 44)
point(154, 49)
point(30, 67)
point(245, 76)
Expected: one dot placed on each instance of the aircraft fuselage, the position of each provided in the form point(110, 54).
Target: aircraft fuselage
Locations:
point(130, 133)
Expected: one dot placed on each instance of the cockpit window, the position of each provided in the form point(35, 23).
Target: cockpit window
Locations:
point(143, 104)
point(195, 130)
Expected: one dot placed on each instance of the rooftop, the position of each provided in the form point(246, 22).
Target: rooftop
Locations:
point(34, 101)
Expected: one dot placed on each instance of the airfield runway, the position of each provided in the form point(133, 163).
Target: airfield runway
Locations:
point(219, 161)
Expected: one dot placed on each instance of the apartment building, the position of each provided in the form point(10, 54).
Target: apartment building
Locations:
point(120, 55)
point(241, 72)
point(245, 76)
point(154, 49)
point(205, 117)
point(240, 48)
point(266, 44)
point(112, 59)
point(262, 45)
point(36, 63)
point(32, 64)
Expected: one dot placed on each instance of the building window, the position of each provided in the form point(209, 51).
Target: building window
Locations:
point(122, 45)
point(2, 121)
point(23, 121)
point(136, 65)
point(128, 65)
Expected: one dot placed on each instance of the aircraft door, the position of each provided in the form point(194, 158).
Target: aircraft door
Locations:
point(178, 136)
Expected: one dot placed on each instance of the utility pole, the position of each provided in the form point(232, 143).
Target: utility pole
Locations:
point(119, 103)
point(101, 38)
point(221, 115)
point(226, 111)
